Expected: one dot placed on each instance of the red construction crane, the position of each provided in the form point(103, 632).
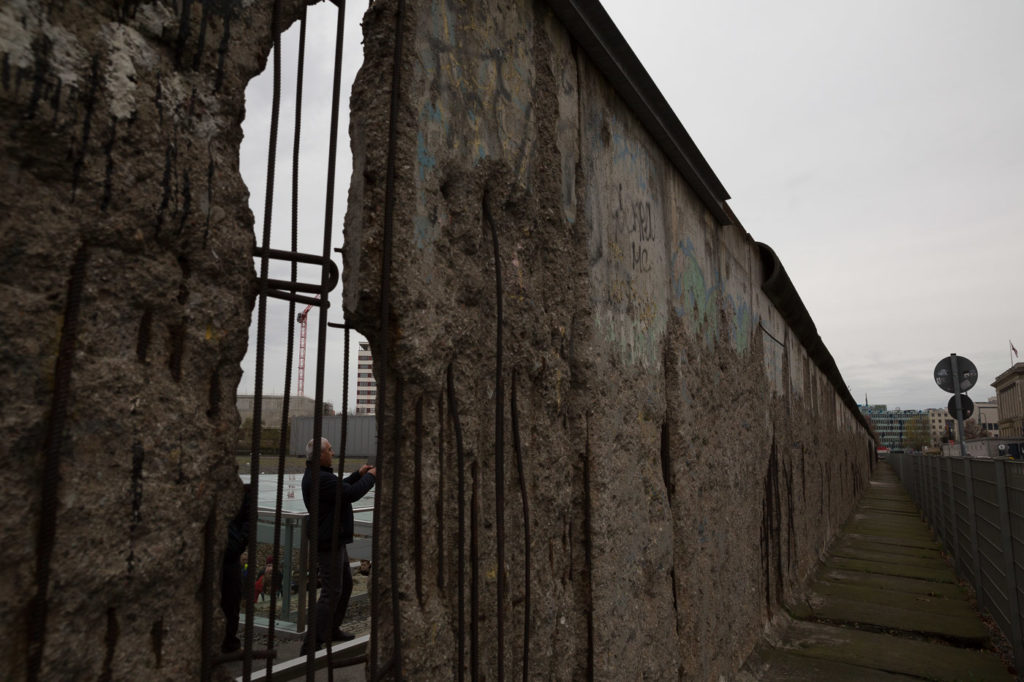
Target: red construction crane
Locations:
point(302, 346)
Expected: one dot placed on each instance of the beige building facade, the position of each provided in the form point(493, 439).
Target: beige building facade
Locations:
point(987, 415)
point(942, 425)
point(1010, 395)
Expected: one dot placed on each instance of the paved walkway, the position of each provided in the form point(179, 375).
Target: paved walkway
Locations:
point(885, 606)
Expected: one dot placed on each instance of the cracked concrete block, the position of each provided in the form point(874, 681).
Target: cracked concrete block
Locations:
point(125, 262)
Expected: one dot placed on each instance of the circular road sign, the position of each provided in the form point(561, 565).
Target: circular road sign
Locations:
point(966, 403)
point(944, 375)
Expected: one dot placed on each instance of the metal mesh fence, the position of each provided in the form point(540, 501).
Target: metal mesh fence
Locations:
point(976, 507)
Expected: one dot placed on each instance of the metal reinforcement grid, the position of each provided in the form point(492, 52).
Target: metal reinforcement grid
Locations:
point(976, 507)
point(294, 292)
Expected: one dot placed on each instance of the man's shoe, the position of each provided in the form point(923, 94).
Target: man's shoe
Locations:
point(304, 650)
point(340, 636)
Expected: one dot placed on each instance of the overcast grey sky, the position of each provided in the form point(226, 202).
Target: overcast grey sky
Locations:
point(876, 146)
point(315, 137)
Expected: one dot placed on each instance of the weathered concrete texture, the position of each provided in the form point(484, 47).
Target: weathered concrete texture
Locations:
point(871, 620)
point(606, 453)
point(127, 283)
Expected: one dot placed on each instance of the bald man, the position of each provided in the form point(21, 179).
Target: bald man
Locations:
point(335, 574)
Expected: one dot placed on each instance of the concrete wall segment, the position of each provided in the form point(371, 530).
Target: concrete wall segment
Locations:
point(126, 248)
point(640, 397)
point(656, 382)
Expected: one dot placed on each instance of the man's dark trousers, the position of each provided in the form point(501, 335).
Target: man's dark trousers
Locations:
point(335, 590)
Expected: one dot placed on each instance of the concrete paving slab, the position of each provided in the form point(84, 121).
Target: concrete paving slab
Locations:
point(870, 544)
point(884, 582)
point(895, 655)
point(790, 666)
point(963, 628)
point(926, 602)
point(926, 543)
point(864, 553)
point(910, 520)
point(884, 523)
point(939, 574)
point(889, 505)
point(889, 529)
point(885, 605)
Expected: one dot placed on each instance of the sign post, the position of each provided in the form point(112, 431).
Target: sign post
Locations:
point(955, 375)
point(959, 406)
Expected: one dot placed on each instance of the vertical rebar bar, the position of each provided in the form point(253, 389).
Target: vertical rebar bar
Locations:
point(321, 350)
point(289, 353)
point(36, 611)
point(499, 440)
point(460, 538)
point(384, 330)
point(261, 330)
point(518, 447)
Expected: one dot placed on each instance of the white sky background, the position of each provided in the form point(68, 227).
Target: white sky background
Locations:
point(321, 29)
point(876, 146)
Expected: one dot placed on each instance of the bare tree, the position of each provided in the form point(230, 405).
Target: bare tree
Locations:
point(916, 433)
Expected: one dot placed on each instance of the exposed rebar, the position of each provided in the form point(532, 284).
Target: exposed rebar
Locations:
point(49, 476)
point(290, 350)
point(261, 331)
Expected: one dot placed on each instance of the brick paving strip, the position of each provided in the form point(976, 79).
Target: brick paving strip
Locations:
point(886, 605)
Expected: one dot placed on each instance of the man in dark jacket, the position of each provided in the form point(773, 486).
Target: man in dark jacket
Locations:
point(231, 573)
point(335, 574)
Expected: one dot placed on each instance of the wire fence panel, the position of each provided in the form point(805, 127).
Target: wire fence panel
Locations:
point(976, 508)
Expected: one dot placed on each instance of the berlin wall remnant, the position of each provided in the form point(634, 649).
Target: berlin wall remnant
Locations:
point(613, 445)
point(623, 472)
point(127, 280)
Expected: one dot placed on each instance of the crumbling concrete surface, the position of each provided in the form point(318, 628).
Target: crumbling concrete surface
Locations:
point(608, 454)
point(127, 284)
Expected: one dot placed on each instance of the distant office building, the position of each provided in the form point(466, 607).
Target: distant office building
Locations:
point(366, 385)
point(1010, 397)
point(273, 405)
point(941, 425)
point(891, 425)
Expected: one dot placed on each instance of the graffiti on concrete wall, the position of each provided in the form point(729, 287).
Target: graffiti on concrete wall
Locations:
point(695, 296)
point(741, 322)
point(631, 245)
point(774, 360)
point(476, 113)
point(699, 299)
point(627, 246)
